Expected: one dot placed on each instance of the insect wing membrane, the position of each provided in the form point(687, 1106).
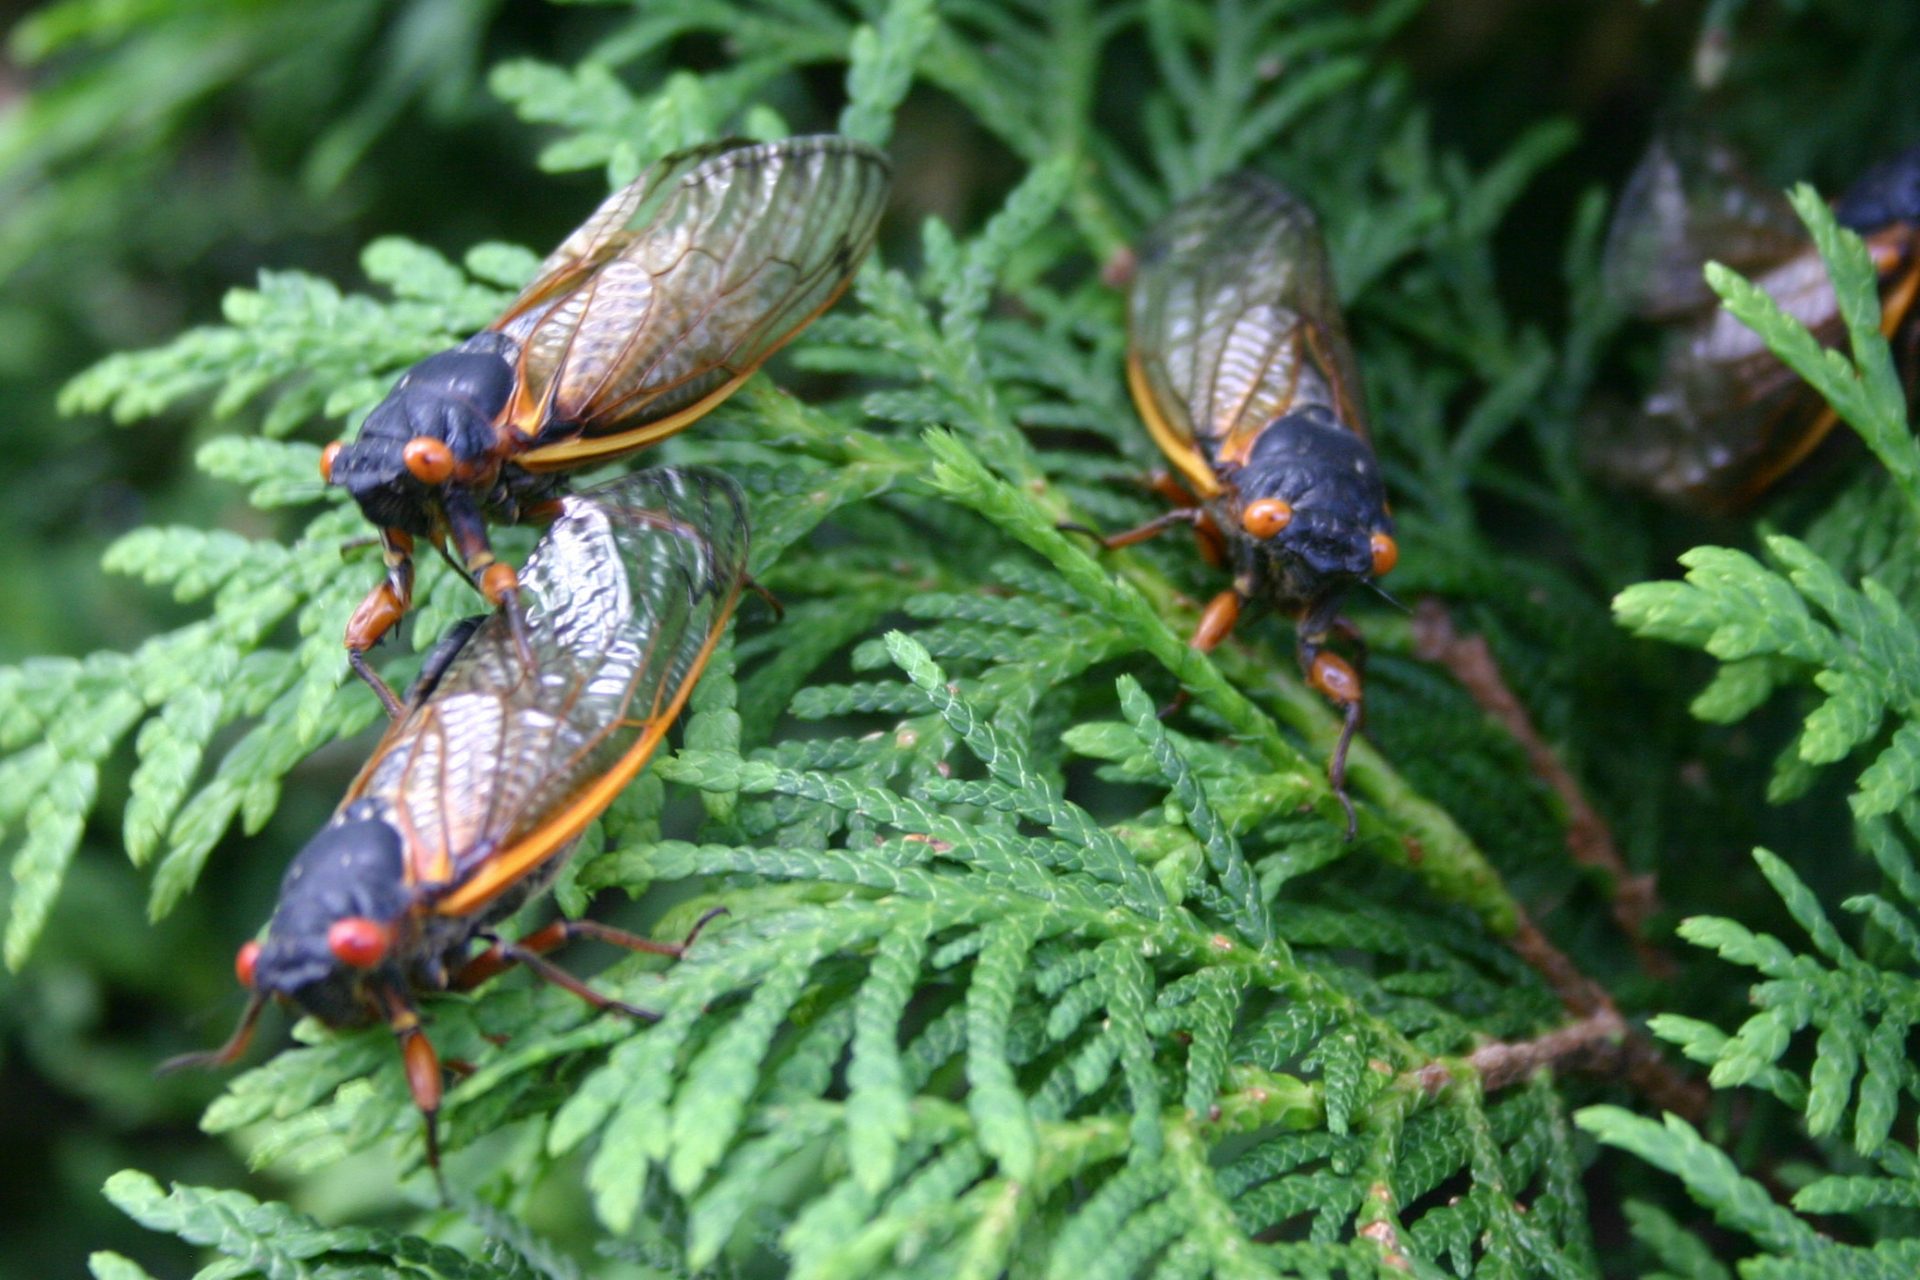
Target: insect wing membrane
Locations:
point(1234, 322)
point(501, 766)
point(610, 229)
point(711, 274)
point(1688, 202)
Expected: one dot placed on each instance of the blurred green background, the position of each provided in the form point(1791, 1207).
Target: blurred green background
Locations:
point(154, 155)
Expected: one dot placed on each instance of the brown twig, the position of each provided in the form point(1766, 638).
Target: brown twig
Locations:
point(1592, 1043)
point(1600, 1040)
point(1589, 841)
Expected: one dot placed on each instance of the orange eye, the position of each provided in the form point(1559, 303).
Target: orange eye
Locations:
point(327, 455)
point(1386, 554)
point(359, 942)
point(244, 963)
point(430, 461)
point(1265, 517)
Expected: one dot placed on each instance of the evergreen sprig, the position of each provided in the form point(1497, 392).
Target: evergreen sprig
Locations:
point(1016, 977)
point(1800, 621)
point(1834, 1006)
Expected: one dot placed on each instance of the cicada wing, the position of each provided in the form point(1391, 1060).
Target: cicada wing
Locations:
point(1233, 322)
point(1688, 202)
point(1705, 447)
point(612, 226)
point(710, 274)
point(1724, 418)
point(503, 765)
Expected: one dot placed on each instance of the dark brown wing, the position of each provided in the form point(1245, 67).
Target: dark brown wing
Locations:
point(1725, 419)
point(1688, 202)
point(1233, 322)
point(500, 767)
point(680, 286)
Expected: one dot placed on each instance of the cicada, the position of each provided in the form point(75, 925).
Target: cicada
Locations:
point(475, 796)
point(1239, 362)
point(654, 311)
point(1725, 419)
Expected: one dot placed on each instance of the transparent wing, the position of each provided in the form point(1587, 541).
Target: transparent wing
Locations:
point(501, 766)
point(596, 241)
point(681, 285)
point(1234, 321)
point(1690, 201)
point(1725, 419)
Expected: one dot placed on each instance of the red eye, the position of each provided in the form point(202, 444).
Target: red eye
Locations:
point(1386, 554)
point(327, 455)
point(1265, 517)
point(359, 942)
point(430, 461)
point(244, 963)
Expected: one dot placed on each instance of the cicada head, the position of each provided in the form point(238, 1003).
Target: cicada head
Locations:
point(343, 913)
point(1309, 509)
point(436, 426)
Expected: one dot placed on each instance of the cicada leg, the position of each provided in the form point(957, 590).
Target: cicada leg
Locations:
point(441, 656)
point(423, 1074)
point(1216, 624)
point(1206, 534)
point(498, 582)
point(384, 606)
point(1216, 621)
point(771, 600)
point(230, 1052)
point(1188, 510)
point(1356, 640)
point(1190, 516)
point(1340, 683)
point(528, 951)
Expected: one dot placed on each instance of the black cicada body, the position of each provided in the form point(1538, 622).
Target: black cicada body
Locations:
point(1239, 362)
point(667, 299)
point(478, 791)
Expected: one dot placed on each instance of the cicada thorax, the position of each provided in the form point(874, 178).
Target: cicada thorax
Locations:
point(439, 426)
point(1304, 513)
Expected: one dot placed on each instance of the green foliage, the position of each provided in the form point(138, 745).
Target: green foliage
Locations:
point(1831, 1032)
point(1016, 976)
point(271, 1239)
point(1802, 622)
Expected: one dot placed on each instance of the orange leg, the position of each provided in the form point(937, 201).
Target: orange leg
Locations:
point(528, 951)
point(541, 512)
point(1167, 486)
point(1356, 641)
point(384, 606)
point(423, 1075)
point(1216, 621)
point(498, 582)
point(230, 1052)
point(1334, 677)
point(1206, 534)
point(1190, 516)
point(1215, 625)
